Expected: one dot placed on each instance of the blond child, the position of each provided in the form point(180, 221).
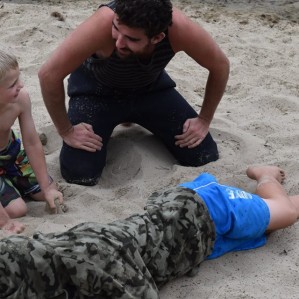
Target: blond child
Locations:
point(18, 176)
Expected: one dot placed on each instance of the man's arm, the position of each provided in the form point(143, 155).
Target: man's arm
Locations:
point(185, 35)
point(91, 36)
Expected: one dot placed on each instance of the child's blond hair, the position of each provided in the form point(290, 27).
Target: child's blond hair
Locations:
point(7, 62)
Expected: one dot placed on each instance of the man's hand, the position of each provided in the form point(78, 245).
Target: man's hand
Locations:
point(194, 132)
point(82, 136)
point(13, 227)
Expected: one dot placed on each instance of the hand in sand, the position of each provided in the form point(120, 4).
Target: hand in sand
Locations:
point(54, 200)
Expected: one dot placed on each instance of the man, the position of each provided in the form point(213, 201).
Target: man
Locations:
point(117, 61)
point(132, 258)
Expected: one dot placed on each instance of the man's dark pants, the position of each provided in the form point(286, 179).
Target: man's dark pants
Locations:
point(161, 110)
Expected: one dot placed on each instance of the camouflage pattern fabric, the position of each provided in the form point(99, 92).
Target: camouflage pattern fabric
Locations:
point(125, 259)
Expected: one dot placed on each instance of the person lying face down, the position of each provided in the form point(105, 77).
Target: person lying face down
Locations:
point(132, 258)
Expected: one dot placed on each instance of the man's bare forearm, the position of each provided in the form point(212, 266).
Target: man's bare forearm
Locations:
point(215, 88)
point(54, 98)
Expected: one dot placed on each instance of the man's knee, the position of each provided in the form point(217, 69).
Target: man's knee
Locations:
point(75, 174)
point(198, 159)
point(204, 153)
point(85, 169)
point(78, 179)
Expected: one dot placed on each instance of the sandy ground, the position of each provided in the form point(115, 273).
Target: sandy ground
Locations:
point(256, 123)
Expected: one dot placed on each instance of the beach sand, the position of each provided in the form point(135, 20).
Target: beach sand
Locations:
point(255, 123)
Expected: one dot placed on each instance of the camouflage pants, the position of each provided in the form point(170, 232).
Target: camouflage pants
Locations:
point(128, 258)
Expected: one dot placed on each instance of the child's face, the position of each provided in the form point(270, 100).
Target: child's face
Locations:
point(10, 87)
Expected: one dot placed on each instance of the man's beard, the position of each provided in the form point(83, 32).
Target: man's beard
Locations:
point(124, 54)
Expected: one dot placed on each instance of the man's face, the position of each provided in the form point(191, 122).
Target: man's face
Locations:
point(130, 41)
point(10, 87)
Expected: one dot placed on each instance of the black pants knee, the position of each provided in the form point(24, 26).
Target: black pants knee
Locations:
point(161, 110)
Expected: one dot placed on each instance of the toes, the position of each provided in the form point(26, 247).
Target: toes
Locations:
point(282, 175)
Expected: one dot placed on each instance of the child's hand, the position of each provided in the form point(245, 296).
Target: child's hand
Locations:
point(54, 200)
point(13, 227)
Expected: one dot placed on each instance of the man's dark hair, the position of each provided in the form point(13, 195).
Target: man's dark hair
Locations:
point(153, 16)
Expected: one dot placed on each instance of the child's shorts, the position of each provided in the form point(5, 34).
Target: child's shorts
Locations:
point(16, 175)
point(241, 218)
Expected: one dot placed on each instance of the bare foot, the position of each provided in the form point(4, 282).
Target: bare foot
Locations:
point(257, 172)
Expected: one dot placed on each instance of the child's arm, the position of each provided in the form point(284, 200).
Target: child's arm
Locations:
point(34, 151)
point(9, 225)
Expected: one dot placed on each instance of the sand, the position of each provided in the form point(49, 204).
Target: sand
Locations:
point(255, 123)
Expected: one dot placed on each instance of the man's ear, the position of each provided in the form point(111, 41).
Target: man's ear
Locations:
point(157, 38)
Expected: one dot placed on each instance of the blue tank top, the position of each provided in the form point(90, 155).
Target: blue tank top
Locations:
point(116, 73)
